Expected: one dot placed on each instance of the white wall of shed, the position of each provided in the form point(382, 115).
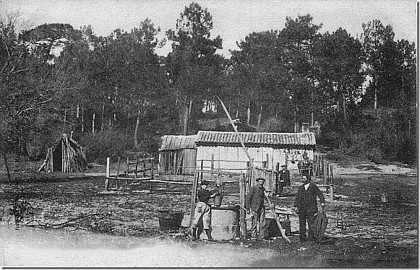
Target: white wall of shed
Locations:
point(234, 158)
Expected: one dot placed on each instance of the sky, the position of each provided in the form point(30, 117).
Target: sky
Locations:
point(233, 20)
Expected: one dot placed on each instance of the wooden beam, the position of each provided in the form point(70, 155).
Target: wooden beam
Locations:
point(193, 196)
point(242, 201)
point(108, 163)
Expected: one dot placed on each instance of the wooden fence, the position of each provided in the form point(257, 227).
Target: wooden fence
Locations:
point(128, 170)
point(134, 170)
point(143, 169)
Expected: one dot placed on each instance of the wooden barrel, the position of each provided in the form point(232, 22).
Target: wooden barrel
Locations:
point(225, 222)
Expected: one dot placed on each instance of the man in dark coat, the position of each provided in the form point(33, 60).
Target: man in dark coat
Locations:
point(255, 207)
point(307, 206)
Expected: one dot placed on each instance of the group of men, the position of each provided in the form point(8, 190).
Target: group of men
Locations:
point(305, 206)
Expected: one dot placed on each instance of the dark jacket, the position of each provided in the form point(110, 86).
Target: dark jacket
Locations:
point(255, 198)
point(285, 177)
point(204, 195)
point(306, 199)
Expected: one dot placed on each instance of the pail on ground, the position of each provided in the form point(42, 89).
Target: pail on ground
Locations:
point(273, 228)
point(170, 220)
point(225, 222)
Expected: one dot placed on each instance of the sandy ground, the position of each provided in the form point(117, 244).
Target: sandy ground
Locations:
point(122, 228)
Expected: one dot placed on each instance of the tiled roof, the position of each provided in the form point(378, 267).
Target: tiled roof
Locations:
point(174, 142)
point(255, 138)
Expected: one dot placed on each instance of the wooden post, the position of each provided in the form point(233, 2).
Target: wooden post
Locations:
point(137, 164)
point(272, 174)
point(331, 193)
point(277, 178)
point(267, 160)
point(108, 164)
point(151, 169)
point(144, 167)
point(264, 173)
point(242, 202)
point(50, 150)
point(118, 173)
point(202, 167)
point(128, 167)
point(212, 162)
point(250, 172)
point(63, 162)
point(193, 196)
point(331, 182)
point(128, 170)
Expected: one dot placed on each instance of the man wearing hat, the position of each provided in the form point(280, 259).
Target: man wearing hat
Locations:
point(255, 207)
point(306, 207)
point(284, 177)
point(202, 213)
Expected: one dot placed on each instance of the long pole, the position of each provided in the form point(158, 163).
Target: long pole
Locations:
point(253, 169)
point(236, 131)
point(193, 196)
point(242, 197)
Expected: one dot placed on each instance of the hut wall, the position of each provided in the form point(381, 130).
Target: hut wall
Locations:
point(181, 161)
point(234, 158)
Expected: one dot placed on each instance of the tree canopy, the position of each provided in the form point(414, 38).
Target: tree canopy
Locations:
point(116, 90)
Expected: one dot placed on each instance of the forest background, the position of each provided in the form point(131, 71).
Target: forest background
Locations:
point(115, 93)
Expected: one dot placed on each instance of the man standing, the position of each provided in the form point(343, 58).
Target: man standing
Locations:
point(284, 177)
point(255, 207)
point(202, 213)
point(307, 207)
point(305, 165)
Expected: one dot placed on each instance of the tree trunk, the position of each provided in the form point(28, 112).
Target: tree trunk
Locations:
point(259, 119)
point(103, 116)
point(375, 101)
point(185, 126)
point(344, 107)
point(83, 121)
point(136, 130)
point(189, 109)
point(93, 123)
point(78, 110)
point(64, 120)
point(248, 113)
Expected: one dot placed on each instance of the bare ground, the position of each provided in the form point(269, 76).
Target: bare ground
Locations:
point(375, 233)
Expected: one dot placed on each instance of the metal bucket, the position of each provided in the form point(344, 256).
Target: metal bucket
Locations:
point(218, 200)
point(225, 222)
point(170, 220)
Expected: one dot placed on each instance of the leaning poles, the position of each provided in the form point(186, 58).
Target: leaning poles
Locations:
point(282, 231)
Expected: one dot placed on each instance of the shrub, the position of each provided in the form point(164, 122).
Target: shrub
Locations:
point(105, 144)
point(275, 125)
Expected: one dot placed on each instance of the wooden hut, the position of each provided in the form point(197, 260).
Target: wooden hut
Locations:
point(177, 155)
point(223, 151)
point(65, 156)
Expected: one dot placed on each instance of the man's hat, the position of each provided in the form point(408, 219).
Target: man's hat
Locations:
point(205, 182)
point(259, 178)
